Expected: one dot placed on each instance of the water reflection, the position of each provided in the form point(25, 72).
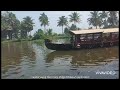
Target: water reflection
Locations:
point(93, 57)
point(16, 55)
point(27, 59)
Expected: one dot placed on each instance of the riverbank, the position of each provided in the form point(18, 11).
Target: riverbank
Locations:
point(8, 41)
point(18, 40)
point(37, 40)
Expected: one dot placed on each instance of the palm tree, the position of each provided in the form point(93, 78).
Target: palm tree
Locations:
point(16, 29)
point(39, 34)
point(66, 31)
point(10, 24)
point(104, 16)
point(29, 21)
point(62, 22)
point(75, 17)
point(118, 18)
point(73, 27)
point(23, 31)
point(44, 20)
point(95, 19)
point(4, 25)
point(113, 19)
point(50, 32)
point(26, 26)
point(11, 20)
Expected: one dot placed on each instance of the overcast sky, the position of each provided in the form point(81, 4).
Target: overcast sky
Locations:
point(53, 16)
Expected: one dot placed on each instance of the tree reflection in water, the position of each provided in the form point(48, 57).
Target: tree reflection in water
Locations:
point(26, 59)
point(14, 53)
point(92, 57)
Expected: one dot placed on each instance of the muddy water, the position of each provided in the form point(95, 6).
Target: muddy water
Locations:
point(28, 60)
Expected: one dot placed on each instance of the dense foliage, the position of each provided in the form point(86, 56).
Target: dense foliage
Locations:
point(12, 28)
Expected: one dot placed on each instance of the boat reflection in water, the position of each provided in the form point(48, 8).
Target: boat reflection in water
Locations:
point(85, 58)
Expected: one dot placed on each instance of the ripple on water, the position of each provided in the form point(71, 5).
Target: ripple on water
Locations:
point(26, 62)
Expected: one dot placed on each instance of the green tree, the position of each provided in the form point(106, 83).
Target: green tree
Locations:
point(66, 31)
point(26, 26)
point(12, 22)
point(62, 22)
point(49, 32)
point(95, 19)
point(73, 27)
point(104, 17)
point(113, 19)
point(39, 34)
point(75, 17)
point(44, 20)
point(10, 25)
point(16, 29)
point(4, 26)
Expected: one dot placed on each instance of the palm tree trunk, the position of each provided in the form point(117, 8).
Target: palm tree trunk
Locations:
point(105, 24)
point(62, 29)
point(44, 29)
point(96, 26)
point(27, 34)
point(10, 35)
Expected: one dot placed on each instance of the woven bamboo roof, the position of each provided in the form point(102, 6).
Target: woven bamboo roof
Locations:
point(91, 31)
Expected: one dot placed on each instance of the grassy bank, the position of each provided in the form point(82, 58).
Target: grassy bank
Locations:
point(19, 40)
point(37, 40)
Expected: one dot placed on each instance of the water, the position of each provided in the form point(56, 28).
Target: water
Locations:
point(28, 60)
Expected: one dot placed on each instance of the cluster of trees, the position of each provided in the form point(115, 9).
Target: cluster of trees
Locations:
point(104, 19)
point(74, 17)
point(41, 34)
point(63, 21)
point(97, 19)
point(11, 27)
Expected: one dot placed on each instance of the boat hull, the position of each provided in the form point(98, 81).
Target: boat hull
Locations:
point(62, 47)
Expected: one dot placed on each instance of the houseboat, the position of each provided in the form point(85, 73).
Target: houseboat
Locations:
point(87, 39)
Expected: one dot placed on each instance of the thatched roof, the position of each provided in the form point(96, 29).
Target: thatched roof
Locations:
point(91, 31)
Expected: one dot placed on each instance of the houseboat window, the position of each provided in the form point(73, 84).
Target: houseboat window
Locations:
point(90, 36)
point(82, 37)
point(96, 36)
point(106, 34)
point(115, 35)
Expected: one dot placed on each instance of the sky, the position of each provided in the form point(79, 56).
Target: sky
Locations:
point(53, 17)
